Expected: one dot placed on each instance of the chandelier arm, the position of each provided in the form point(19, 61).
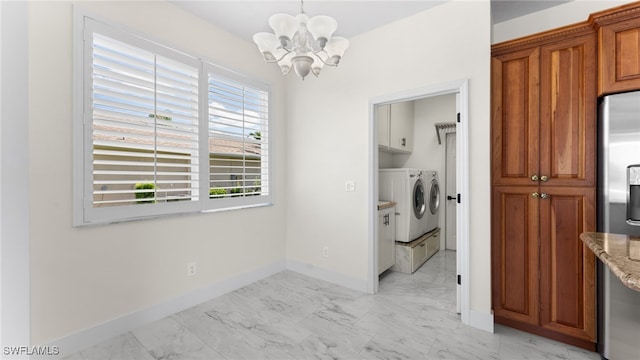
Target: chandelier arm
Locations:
point(320, 58)
point(282, 57)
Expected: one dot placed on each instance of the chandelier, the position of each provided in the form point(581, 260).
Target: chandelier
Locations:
point(302, 43)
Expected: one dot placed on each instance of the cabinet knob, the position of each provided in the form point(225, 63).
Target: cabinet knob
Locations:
point(544, 178)
point(535, 195)
point(534, 177)
point(544, 196)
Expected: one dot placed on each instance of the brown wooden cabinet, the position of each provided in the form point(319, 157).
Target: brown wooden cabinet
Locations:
point(568, 112)
point(543, 183)
point(618, 49)
point(544, 280)
point(567, 267)
point(515, 254)
point(515, 102)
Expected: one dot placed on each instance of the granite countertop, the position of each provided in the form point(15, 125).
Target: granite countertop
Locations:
point(385, 204)
point(620, 252)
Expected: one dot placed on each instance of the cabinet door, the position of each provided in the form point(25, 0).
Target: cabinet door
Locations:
point(619, 56)
point(386, 239)
point(382, 120)
point(401, 126)
point(514, 117)
point(391, 239)
point(567, 267)
point(514, 254)
point(568, 112)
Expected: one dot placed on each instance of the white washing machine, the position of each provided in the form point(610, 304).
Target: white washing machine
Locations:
point(407, 188)
point(432, 214)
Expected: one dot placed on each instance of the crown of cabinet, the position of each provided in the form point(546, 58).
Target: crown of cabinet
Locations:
point(618, 48)
point(615, 15)
point(543, 38)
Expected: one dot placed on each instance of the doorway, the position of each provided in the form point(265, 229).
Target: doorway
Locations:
point(462, 183)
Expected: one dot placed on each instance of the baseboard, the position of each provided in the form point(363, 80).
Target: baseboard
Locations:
point(480, 320)
point(550, 334)
point(92, 336)
point(327, 275)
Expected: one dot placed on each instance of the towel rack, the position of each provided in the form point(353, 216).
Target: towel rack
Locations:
point(446, 128)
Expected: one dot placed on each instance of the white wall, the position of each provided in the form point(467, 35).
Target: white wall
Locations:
point(385, 159)
point(427, 154)
point(566, 14)
point(328, 135)
point(82, 277)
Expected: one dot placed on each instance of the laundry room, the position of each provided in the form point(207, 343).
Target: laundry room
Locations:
point(416, 177)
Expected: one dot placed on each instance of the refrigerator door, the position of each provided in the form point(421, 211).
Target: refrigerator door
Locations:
point(619, 148)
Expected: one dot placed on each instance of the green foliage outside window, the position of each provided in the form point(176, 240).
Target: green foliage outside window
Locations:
point(145, 197)
point(217, 192)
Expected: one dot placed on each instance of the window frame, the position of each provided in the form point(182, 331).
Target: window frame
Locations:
point(245, 201)
point(84, 212)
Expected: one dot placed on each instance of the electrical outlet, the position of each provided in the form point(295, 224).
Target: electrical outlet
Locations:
point(325, 251)
point(350, 185)
point(192, 269)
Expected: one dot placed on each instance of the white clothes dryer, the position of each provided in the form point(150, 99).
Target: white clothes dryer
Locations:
point(432, 214)
point(407, 188)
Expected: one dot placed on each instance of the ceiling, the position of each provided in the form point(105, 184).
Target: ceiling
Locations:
point(502, 10)
point(245, 18)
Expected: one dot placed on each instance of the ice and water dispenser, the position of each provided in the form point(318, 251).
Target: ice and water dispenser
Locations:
point(633, 195)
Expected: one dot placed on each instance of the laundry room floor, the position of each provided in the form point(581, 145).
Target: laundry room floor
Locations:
point(292, 316)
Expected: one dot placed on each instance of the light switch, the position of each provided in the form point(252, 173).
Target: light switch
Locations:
point(350, 186)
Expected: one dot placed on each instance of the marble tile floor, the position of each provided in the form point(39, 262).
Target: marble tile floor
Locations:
point(292, 316)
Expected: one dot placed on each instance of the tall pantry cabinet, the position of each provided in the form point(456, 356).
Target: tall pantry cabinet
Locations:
point(543, 132)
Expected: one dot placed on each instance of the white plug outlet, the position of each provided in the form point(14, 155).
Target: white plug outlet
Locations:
point(350, 185)
point(325, 251)
point(192, 269)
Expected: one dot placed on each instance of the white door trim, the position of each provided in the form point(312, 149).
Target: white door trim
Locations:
point(14, 175)
point(450, 190)
point(461, 87)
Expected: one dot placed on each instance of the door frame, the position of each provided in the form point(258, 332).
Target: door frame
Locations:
point(15, 286)
point(447, 210)
point(447, 192)
point(460, 87)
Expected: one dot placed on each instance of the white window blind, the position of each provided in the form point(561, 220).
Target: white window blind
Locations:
point(160, 132)
point(238, 139)
point(145, 126)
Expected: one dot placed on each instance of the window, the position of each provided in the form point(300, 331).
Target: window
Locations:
point(238, 139)
point(162, 132)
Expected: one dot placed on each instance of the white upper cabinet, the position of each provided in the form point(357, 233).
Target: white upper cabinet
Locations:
point(395, 126)
point(382, 118)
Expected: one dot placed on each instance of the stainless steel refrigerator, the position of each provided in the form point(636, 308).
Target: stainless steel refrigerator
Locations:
point(618, 212)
